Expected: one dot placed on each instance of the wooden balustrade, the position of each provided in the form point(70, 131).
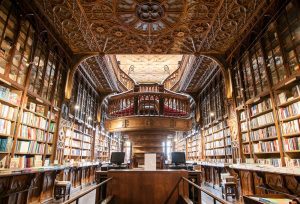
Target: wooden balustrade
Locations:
point(149, 104)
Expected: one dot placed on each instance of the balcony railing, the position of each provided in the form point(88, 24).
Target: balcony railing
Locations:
point(149, 104)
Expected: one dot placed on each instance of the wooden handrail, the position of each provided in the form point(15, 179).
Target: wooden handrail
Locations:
point(215, 198)
point(76, 198)
point(130, 94)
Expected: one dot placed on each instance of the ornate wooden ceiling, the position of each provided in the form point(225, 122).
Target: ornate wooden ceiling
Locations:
point(162, 26)
point(100, 74)
point(200, 27)
point(149, 68)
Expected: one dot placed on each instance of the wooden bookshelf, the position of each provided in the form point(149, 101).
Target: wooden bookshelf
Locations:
point(215, 131)
point(266, 89)
point(81, 134)
point(32, 77)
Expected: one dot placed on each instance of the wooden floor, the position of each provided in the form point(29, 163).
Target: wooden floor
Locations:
point(90, 198)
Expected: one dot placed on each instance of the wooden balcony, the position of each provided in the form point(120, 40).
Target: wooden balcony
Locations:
point(153, 110)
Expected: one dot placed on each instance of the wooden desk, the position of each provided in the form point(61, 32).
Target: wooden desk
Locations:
point(139, 186)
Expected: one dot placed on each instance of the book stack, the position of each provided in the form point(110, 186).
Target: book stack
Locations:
point(286, 96)
point(219, 143)
point(32, 133)
point(31, 119)
point(268, 146)
point(86, 153)
point(7, 112)
point(268, 132)
point(245, 137)
point(5, 127)
point(289, 162)
point(261, 107)
point(291, 144)
point(86, 146)
point(50, 137)
point(228, 151)
point(86, 138)
point(270, 161)
point(243, 115)
point(31, 147)
point(49, 149)
point(289, 111)
point(12, 96)
point(290, 127)
point(262, 120)
point(244, 126)
point(5, 144)
point(246, 149)
point(52, 127)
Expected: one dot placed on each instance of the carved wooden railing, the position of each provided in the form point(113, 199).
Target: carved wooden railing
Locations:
point(149, 104)
point(125, 82)
point(172, 81)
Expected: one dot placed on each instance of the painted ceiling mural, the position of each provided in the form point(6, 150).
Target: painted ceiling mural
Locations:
point(154, 26)
point(149, 68)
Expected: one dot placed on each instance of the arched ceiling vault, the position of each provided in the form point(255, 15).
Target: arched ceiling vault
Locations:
point(198, 27)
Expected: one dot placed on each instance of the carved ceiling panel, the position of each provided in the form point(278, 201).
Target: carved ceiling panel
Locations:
point(156, 27)
point(100, 74)
point(197, 74)
point(149, 68)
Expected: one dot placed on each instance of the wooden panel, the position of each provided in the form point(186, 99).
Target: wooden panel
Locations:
point(145, 187)
point(142, 123)
point(247, 182)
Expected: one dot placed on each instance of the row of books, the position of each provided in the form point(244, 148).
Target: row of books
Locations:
point(72, 152)
point(263, 133)
point(209, 145)
point(291, 162)
point(217, 127)
point(289, 111)
point(31, 147)
point(268, 146)
point(8, 112)
point(52, 127)
point(5, 127)
point(87, 153)
point(290, 127)
point(244, 126)
point(219, 143)
point(245, 137)
point(228, 150)
point(28, 162)
point(208, 131)
point(86, 138)
point(246, 149)
point(6, 144)
point(35, 121)
point(291, 144)
point(270, 161)
point(262, 120)
point(288, 95)
point(242, 115)
point(34, 134)
point(261, 107)
point(37, 108)
point(228, 141)
point(215, 152)
point(12, 96)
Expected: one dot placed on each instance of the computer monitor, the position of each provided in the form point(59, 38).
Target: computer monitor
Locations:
point(117, 157)
point(178, 158)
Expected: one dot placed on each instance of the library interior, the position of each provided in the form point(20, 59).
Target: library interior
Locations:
point(150, 101)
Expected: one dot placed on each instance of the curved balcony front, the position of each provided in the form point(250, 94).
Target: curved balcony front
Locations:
point(135, 111)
